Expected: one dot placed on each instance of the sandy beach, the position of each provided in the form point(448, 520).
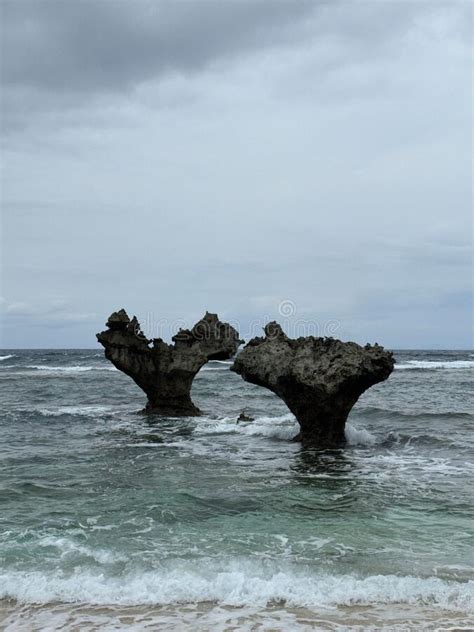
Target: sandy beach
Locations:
point(209, 617)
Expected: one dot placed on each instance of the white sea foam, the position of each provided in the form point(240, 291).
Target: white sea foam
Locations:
point(69, 548)
point(236, 583)
point(282, 427)
point(69, 369)
point(89, 411)
point(434, 364)
point(223, 365)
point(358, 436)
point(6, 357)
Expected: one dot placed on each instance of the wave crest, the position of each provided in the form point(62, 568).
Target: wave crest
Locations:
point(241, 583)
point(282, 427)
point(69, 369)
point(358, 436)
point(435, 364)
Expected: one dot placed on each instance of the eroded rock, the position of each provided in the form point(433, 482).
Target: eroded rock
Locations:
point(320, 379)
point(165, 372)
point(245, 417)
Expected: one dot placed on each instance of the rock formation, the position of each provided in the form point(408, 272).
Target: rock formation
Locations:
point(166, 371)
point(320, 379)
point(244, 417)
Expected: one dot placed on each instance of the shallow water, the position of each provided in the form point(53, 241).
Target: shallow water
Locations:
point(175, 522)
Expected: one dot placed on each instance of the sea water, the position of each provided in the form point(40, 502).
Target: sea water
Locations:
point(113, 520)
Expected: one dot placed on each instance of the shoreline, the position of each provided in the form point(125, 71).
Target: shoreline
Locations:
point(206, 615)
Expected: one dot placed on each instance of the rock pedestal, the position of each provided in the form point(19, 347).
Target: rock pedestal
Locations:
point(165, 372)
point(319, 379)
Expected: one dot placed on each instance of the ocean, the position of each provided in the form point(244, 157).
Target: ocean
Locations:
point(111, 520)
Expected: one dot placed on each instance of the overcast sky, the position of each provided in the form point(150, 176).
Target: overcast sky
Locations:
point(249, 158)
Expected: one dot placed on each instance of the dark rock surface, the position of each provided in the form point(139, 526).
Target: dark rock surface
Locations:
point(165, 372)
point(320, 379)
point(244, 417)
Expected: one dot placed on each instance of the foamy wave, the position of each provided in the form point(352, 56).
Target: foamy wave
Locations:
point(223, 365)
point(241, 583)
point(356, 436)
point(282, 427)
point(432, 364)
point(88, 411)
point(6, 357)
point(69, 369)
point(69, 548)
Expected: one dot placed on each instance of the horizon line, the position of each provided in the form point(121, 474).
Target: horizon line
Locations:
point(99, 348)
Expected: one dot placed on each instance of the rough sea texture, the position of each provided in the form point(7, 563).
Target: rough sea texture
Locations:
point(111, 520)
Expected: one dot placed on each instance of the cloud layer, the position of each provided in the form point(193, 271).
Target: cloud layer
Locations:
point(177, 157)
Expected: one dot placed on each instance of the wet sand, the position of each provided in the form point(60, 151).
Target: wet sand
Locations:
point(207, 616)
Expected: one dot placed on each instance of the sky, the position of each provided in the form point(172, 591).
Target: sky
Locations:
point(308, 162)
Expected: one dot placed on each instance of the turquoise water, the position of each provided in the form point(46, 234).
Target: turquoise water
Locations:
point(102, 507)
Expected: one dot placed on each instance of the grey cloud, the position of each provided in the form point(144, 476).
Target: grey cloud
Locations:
point(48, 321)
point(317, 153)
point(110, 45)
point(59, 55)
point(96, 46)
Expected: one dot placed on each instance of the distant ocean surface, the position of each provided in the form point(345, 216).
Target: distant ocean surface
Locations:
point(110, 520)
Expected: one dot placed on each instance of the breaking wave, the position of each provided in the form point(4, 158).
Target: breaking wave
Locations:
point(6, 357)
point(356, 436)
point(433, 364)
point(69, 369)
point(238, 582)
point(87, 411)
point(283, 427)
